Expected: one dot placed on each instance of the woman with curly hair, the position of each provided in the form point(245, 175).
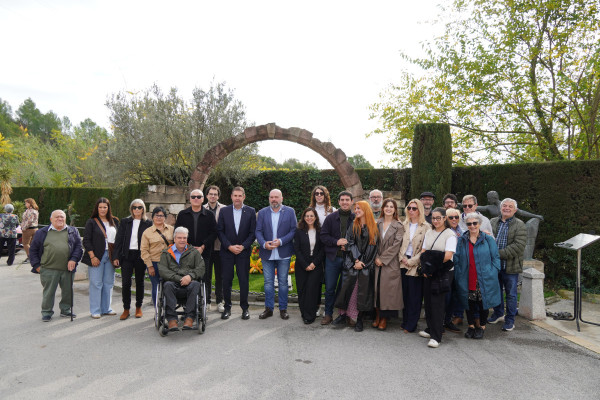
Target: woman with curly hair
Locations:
point(321, 202)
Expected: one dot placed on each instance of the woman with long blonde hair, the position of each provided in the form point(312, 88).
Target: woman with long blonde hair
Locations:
point(356, 296)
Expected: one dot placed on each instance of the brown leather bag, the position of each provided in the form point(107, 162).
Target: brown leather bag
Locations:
point(110, 245)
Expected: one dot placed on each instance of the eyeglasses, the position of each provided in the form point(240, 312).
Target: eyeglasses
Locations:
point(196, 197)
point(472, 223)
point(159, 216)
point(468, 205)
point(137, 207)
point(319, 193)
point(449, 202)
point(453, 217)
point(412, 208)
point(437, 218)
point(376, 197)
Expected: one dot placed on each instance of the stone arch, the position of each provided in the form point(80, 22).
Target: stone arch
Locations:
point(335, 156)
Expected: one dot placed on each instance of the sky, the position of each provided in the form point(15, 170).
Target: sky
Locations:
point(316, 65)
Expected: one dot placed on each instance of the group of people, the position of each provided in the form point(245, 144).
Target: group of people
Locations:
point(9, 224)
point(372, 263)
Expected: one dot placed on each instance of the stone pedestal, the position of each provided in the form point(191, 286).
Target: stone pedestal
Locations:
point(531, 304)
point(537, 264)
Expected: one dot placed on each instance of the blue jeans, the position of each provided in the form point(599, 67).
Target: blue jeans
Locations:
point(333, 282)
point(283, 267)
point(102, 280)
point(508, 283)
point(155, 280)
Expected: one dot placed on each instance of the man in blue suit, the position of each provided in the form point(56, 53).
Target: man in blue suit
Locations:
point(275, 228)
point(235, 228)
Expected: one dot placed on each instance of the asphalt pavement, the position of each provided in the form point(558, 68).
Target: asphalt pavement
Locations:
point(269, 359)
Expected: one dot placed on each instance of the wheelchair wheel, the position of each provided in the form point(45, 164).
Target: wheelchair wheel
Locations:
point(202, 310)
point(163, 331)
point(158, 317)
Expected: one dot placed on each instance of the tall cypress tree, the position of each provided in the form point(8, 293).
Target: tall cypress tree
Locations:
point(431, 160)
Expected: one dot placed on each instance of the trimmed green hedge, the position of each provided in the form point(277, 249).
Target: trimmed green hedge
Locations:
point(431, 160)
point(82, 200)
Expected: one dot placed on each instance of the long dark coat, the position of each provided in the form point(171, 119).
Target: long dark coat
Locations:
point(391, 277)
point(358, 248)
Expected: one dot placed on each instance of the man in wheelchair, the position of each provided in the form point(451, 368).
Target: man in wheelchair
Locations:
point(180, 266)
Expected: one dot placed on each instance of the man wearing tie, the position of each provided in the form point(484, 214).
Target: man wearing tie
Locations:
point(235, 228)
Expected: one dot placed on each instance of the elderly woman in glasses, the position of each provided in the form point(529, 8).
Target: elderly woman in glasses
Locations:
point(8, 232)
point(154, 240)
point(477, 264)
point(128, 257)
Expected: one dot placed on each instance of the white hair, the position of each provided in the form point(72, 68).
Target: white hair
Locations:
point(181, 229)
point(508, 199)
point(197, 191)
point(474, 215)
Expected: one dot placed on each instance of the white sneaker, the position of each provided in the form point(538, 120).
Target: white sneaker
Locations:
point(424, 334)
point(319, 311)
point(221, 307)
point(433, 343)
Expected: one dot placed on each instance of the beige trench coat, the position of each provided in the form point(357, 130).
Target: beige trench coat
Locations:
point(417, 244)
point(391, 279)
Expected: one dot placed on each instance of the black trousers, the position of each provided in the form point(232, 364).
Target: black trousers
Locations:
point(214, 262)
point(412, 293)
point(435, 305)
point(131, 264)
point(475, 308)
point(11, 244)
point(241, 263)
point(170, 288)
point(308, 284)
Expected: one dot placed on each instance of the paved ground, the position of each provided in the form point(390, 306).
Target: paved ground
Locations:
point(237, 359)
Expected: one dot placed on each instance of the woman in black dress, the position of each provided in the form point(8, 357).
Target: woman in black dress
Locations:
point(309, 264)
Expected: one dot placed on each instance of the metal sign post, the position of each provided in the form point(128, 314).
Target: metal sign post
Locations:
point(577, 243)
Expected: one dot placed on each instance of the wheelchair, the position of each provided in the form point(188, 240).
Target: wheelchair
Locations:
point(160, 320)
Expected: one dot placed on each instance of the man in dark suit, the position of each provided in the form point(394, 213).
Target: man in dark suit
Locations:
point(275, 228)
point(235, 228)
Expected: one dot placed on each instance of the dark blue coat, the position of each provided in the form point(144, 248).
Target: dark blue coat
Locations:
point(487, 264)
point(330, 233)
point(226, 229)
point(37, 246)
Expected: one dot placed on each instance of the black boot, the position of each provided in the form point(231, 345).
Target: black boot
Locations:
point(359, 323)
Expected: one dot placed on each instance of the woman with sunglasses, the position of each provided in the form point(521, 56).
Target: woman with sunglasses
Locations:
point(98, 240)
point(388, 280)
point(437, 267)
point(415, 228)
point(128, 256)
point(477, 264)
point(454, 312)
point(155, 239)
point(320, 201)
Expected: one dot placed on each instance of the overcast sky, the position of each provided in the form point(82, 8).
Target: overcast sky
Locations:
point(316, 65)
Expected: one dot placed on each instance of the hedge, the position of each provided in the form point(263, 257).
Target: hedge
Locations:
point(565, 193)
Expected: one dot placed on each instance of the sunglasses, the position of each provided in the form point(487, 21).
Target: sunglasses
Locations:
point(468, 205)
point(137, 207)
point(472, 223)
point(319, 193)
point(412, 208)
point(196, 197)
point(453, 217)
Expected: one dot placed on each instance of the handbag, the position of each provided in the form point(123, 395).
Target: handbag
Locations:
point(430, 260)
point(111, 246)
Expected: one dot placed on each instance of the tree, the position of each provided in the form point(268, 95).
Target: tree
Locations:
point(359, 161)
point(431, 160)
point(37, 123)
point(160, 137)
point(516, 80)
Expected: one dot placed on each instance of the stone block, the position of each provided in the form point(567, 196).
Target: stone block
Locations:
point(271, 130)
point(339, 155)
point(395, 194)
point(152, 188)
point(536, 264)
point(176, 190)
point(532, 305)
point(281, 134)
point(251, 134)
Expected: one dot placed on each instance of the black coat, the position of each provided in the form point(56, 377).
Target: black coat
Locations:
point(206, 228)
point(358, 248)
point(302, 250)
point(93, 240)
point(124, 236)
